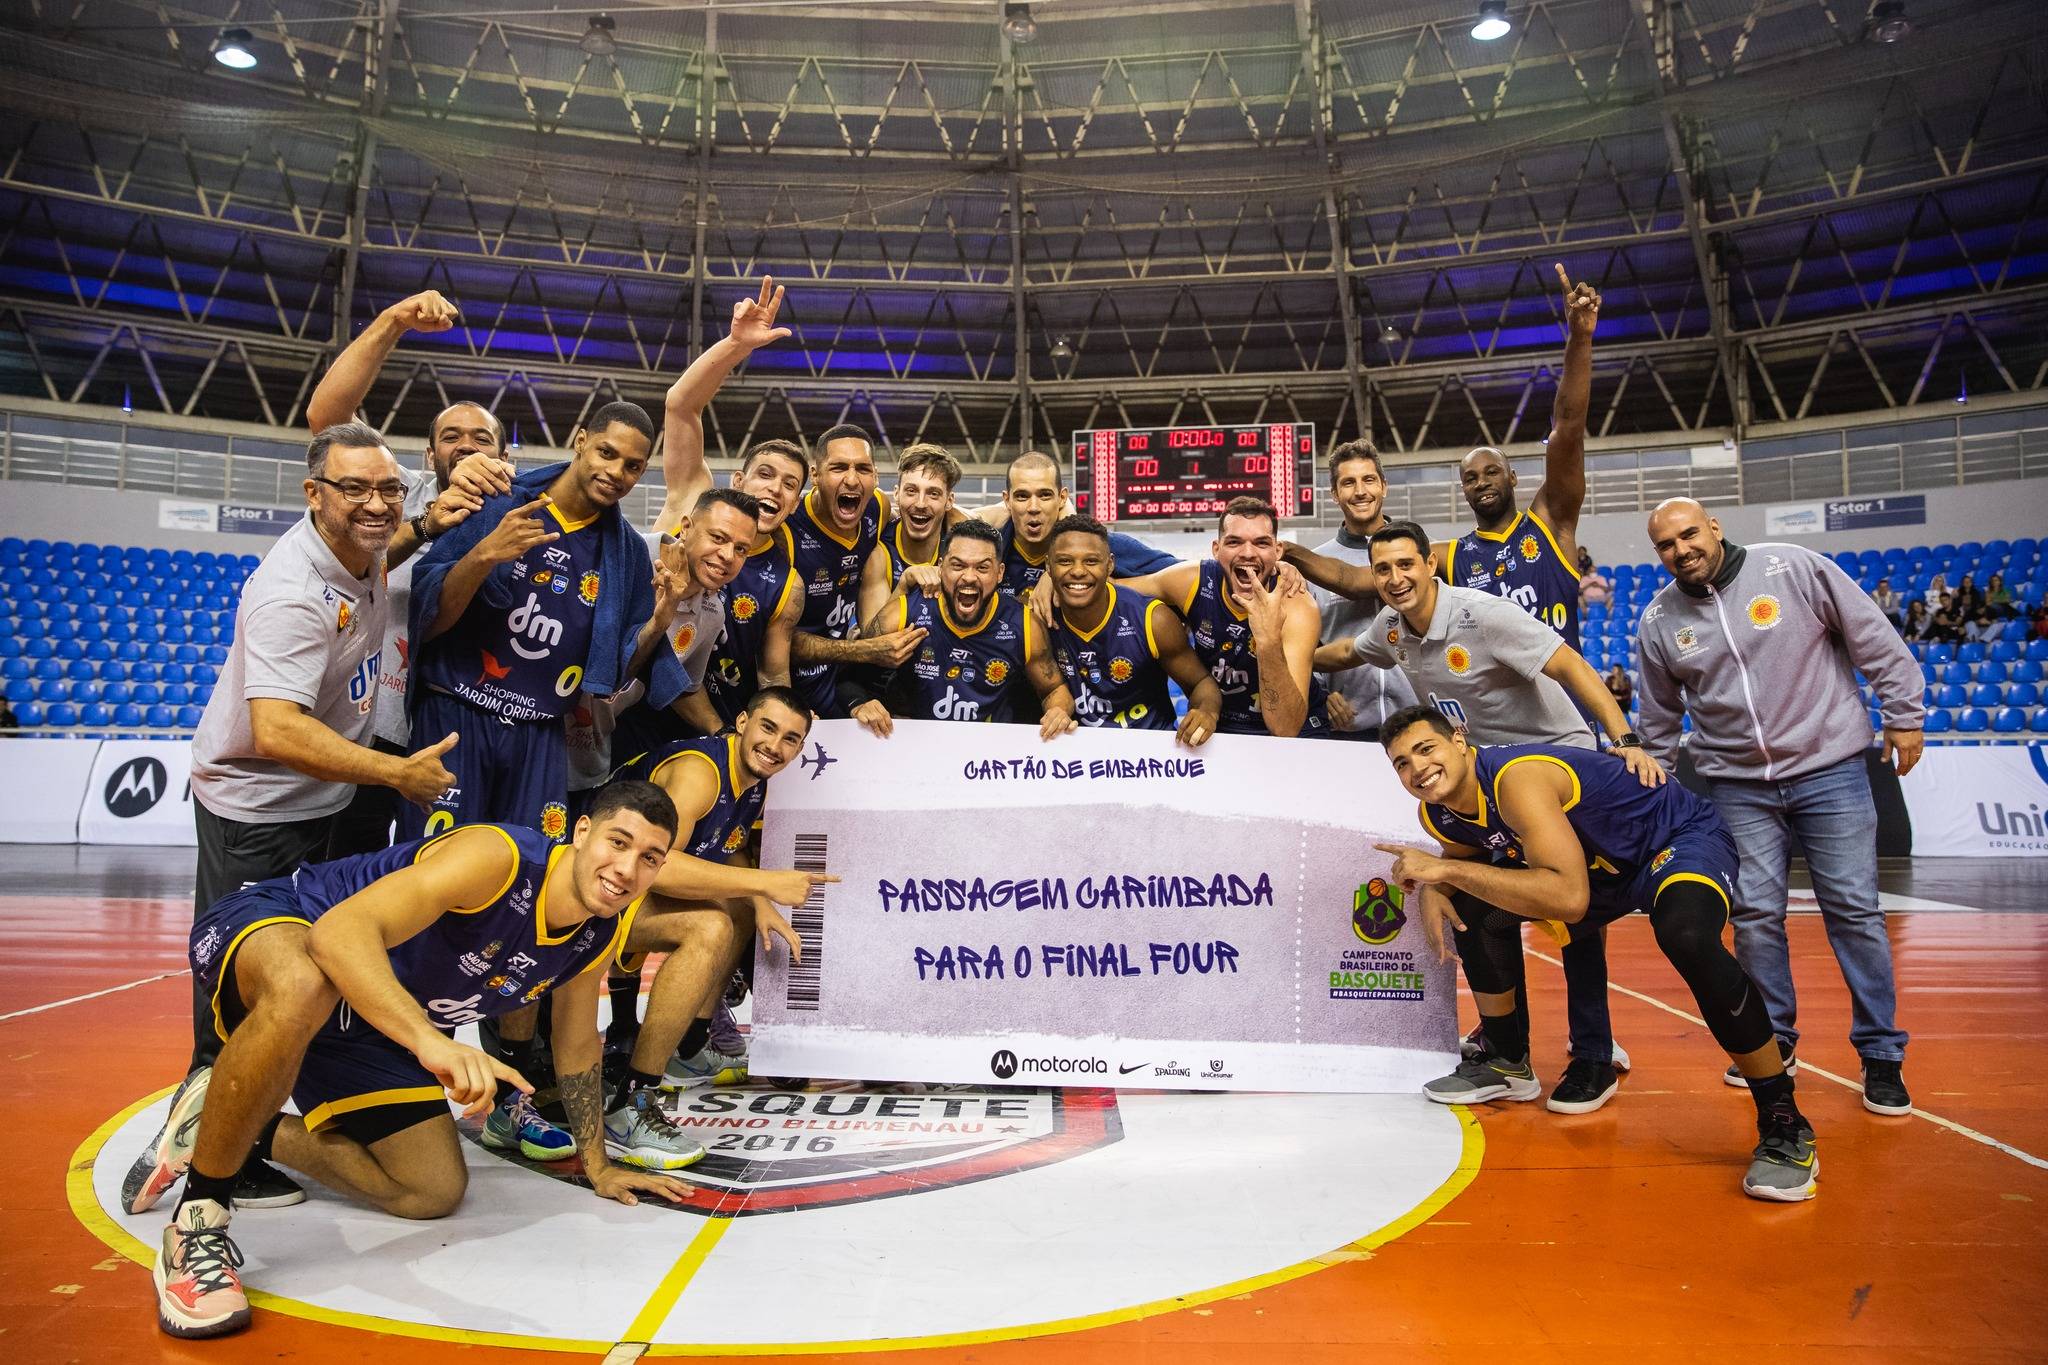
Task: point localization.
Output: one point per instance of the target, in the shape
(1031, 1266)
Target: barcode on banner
(808, 920)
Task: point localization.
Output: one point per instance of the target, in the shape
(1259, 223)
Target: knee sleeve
(1687, 919)
(1489, 946)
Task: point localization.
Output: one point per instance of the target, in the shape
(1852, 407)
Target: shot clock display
(1165, 473)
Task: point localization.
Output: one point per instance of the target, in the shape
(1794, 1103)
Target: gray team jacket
(1765, 659)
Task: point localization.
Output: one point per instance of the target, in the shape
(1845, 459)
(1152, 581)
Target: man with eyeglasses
(285, 739)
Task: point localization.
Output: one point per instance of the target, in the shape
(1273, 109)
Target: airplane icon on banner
(817, 764)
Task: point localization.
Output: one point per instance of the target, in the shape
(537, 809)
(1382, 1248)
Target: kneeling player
(981, 649)
(1578, 839)
(340, 987)
(708, 903)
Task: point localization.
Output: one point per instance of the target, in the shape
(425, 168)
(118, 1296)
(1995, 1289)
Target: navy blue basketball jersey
(1524, 565)
(723, 829)
(827, 570)
(969, 672)
(473, 964)
(1020, 572)
(1114, 670)
(1623, 825)
(752, 600)
(899, 558)
(1221, 636)
(520, 649)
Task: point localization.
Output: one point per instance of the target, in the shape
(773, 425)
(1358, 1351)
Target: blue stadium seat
(19, 691)
(68, 650)
(158, 653)
(1991, 672)
(2022, 694)
(2014, 633)
(163, 718)
(208, 674)
(128, 716)
(62, 713)
(2026, 671)
(2010, 720)
(1987, 694)
(1950, 694)
(186, 654)
(1970, 652)
(98, 713)
(2039, 725)
(189, 717)
(180, 694)
(143, 671)
(1956, 673)
(99, 651)
(146, 694)
(82, 670)
(46, 669)
(16, 668)
(1973, 720)
(1939, 722)
(2037, 650)
(29, 714)
(117, 692)
(202, 693)
(53, 689)
(129, 651)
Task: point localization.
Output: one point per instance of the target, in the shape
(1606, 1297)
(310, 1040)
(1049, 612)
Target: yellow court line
(86, 1207)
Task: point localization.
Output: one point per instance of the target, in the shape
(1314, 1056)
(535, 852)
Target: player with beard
(1035, 497)
(341, 987)
(1116, 648)
(982, 648)
(465, 463)
(1257, 641)
(1360, 698)
(926, 476)
(709, 902)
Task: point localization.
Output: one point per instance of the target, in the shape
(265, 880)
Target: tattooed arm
(579, 1056)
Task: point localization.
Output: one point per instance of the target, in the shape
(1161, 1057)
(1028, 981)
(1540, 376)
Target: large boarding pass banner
(1105, 909)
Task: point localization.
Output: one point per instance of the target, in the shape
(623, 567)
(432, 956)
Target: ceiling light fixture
(1390, 335)
(601, 38)
(233, 51)
(1061, 351)
(1888, 21)
(1493, 21)
(1018, 25)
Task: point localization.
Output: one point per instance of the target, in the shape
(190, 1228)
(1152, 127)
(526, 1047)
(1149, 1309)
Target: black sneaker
(1733, 1075)
(1584, 1087)
(263, 1186)
(1883, 1091)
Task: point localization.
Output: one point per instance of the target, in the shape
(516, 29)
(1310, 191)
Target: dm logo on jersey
(771, 1149)
(1529, 548)
(744, 606)
(1120, 669)
(1376, 913)
(586, 587)
(996, 671)
(1657, 863)
(554, 820)
(1764, 611)
(1458, 659)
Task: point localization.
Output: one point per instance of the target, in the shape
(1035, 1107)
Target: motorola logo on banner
(136, 787)
(1004, 1064)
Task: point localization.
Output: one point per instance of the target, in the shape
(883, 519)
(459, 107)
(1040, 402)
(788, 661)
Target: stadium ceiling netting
(1339, 211)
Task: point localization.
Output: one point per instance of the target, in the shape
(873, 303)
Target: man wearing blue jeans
(1761, 645)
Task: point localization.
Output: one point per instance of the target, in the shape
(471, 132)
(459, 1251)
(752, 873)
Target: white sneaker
(640, 1133)
(198, 1293)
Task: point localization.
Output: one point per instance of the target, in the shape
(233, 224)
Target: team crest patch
(1393, 635)
(554, 820)
(1657, 863)
(736, 840)
(586, 587)
(744, 606)
(684, 638)
(1376, 913)
(996, 671)
(1458, 659)
(342, 616)
(1764, 611)
(1120, 669)
(1686, 637)
(1529, 548)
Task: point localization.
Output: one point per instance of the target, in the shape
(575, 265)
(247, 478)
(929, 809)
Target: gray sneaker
(1786, 1165)
(163, 1162)
(640, 1133)
(708, 1067)
(725, 1034)
(1479, 1079)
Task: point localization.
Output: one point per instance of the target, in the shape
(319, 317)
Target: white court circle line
(93, 995)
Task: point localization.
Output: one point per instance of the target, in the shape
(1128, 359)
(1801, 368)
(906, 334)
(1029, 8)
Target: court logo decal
(770, 1149)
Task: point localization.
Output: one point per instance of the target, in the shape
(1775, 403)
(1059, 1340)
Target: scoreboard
(1159, 473)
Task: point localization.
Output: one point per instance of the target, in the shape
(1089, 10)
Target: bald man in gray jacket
(1761, 644)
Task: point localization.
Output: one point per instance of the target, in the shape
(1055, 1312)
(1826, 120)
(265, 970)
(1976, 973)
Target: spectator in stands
(1999, 598)
(1937, 587)
(1947, 626)
(1618, 684)
(1968, 598)
(1983, 627)
(7, 721)
(2041, 622)
(1918, 623)
(1593, 585)
(284, 741)
(1761, 646)
(1887, 600)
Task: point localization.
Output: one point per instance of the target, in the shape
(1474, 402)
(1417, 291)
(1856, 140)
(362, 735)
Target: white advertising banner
(50, 776)
(1105, 909)
(1979, 801)
(140, 792)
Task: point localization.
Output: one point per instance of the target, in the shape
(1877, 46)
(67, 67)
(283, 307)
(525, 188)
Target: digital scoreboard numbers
(1161, 473)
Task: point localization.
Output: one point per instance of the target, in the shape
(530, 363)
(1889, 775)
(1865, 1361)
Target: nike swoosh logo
(1127, 1070)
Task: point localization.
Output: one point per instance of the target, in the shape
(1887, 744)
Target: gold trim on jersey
(1570, 772)
(988, 616)
(654, 775)
(503, 886)
(570, 527)
(1498, 536)
(1151, 640)
(1107, 612)
(540, 905)
(327, 1113)
(617, 953)
(1551, 537)
(904, 555)
(824, 527)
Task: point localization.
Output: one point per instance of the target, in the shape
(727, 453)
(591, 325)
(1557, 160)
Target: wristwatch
(1629, 740)
(419, 528)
